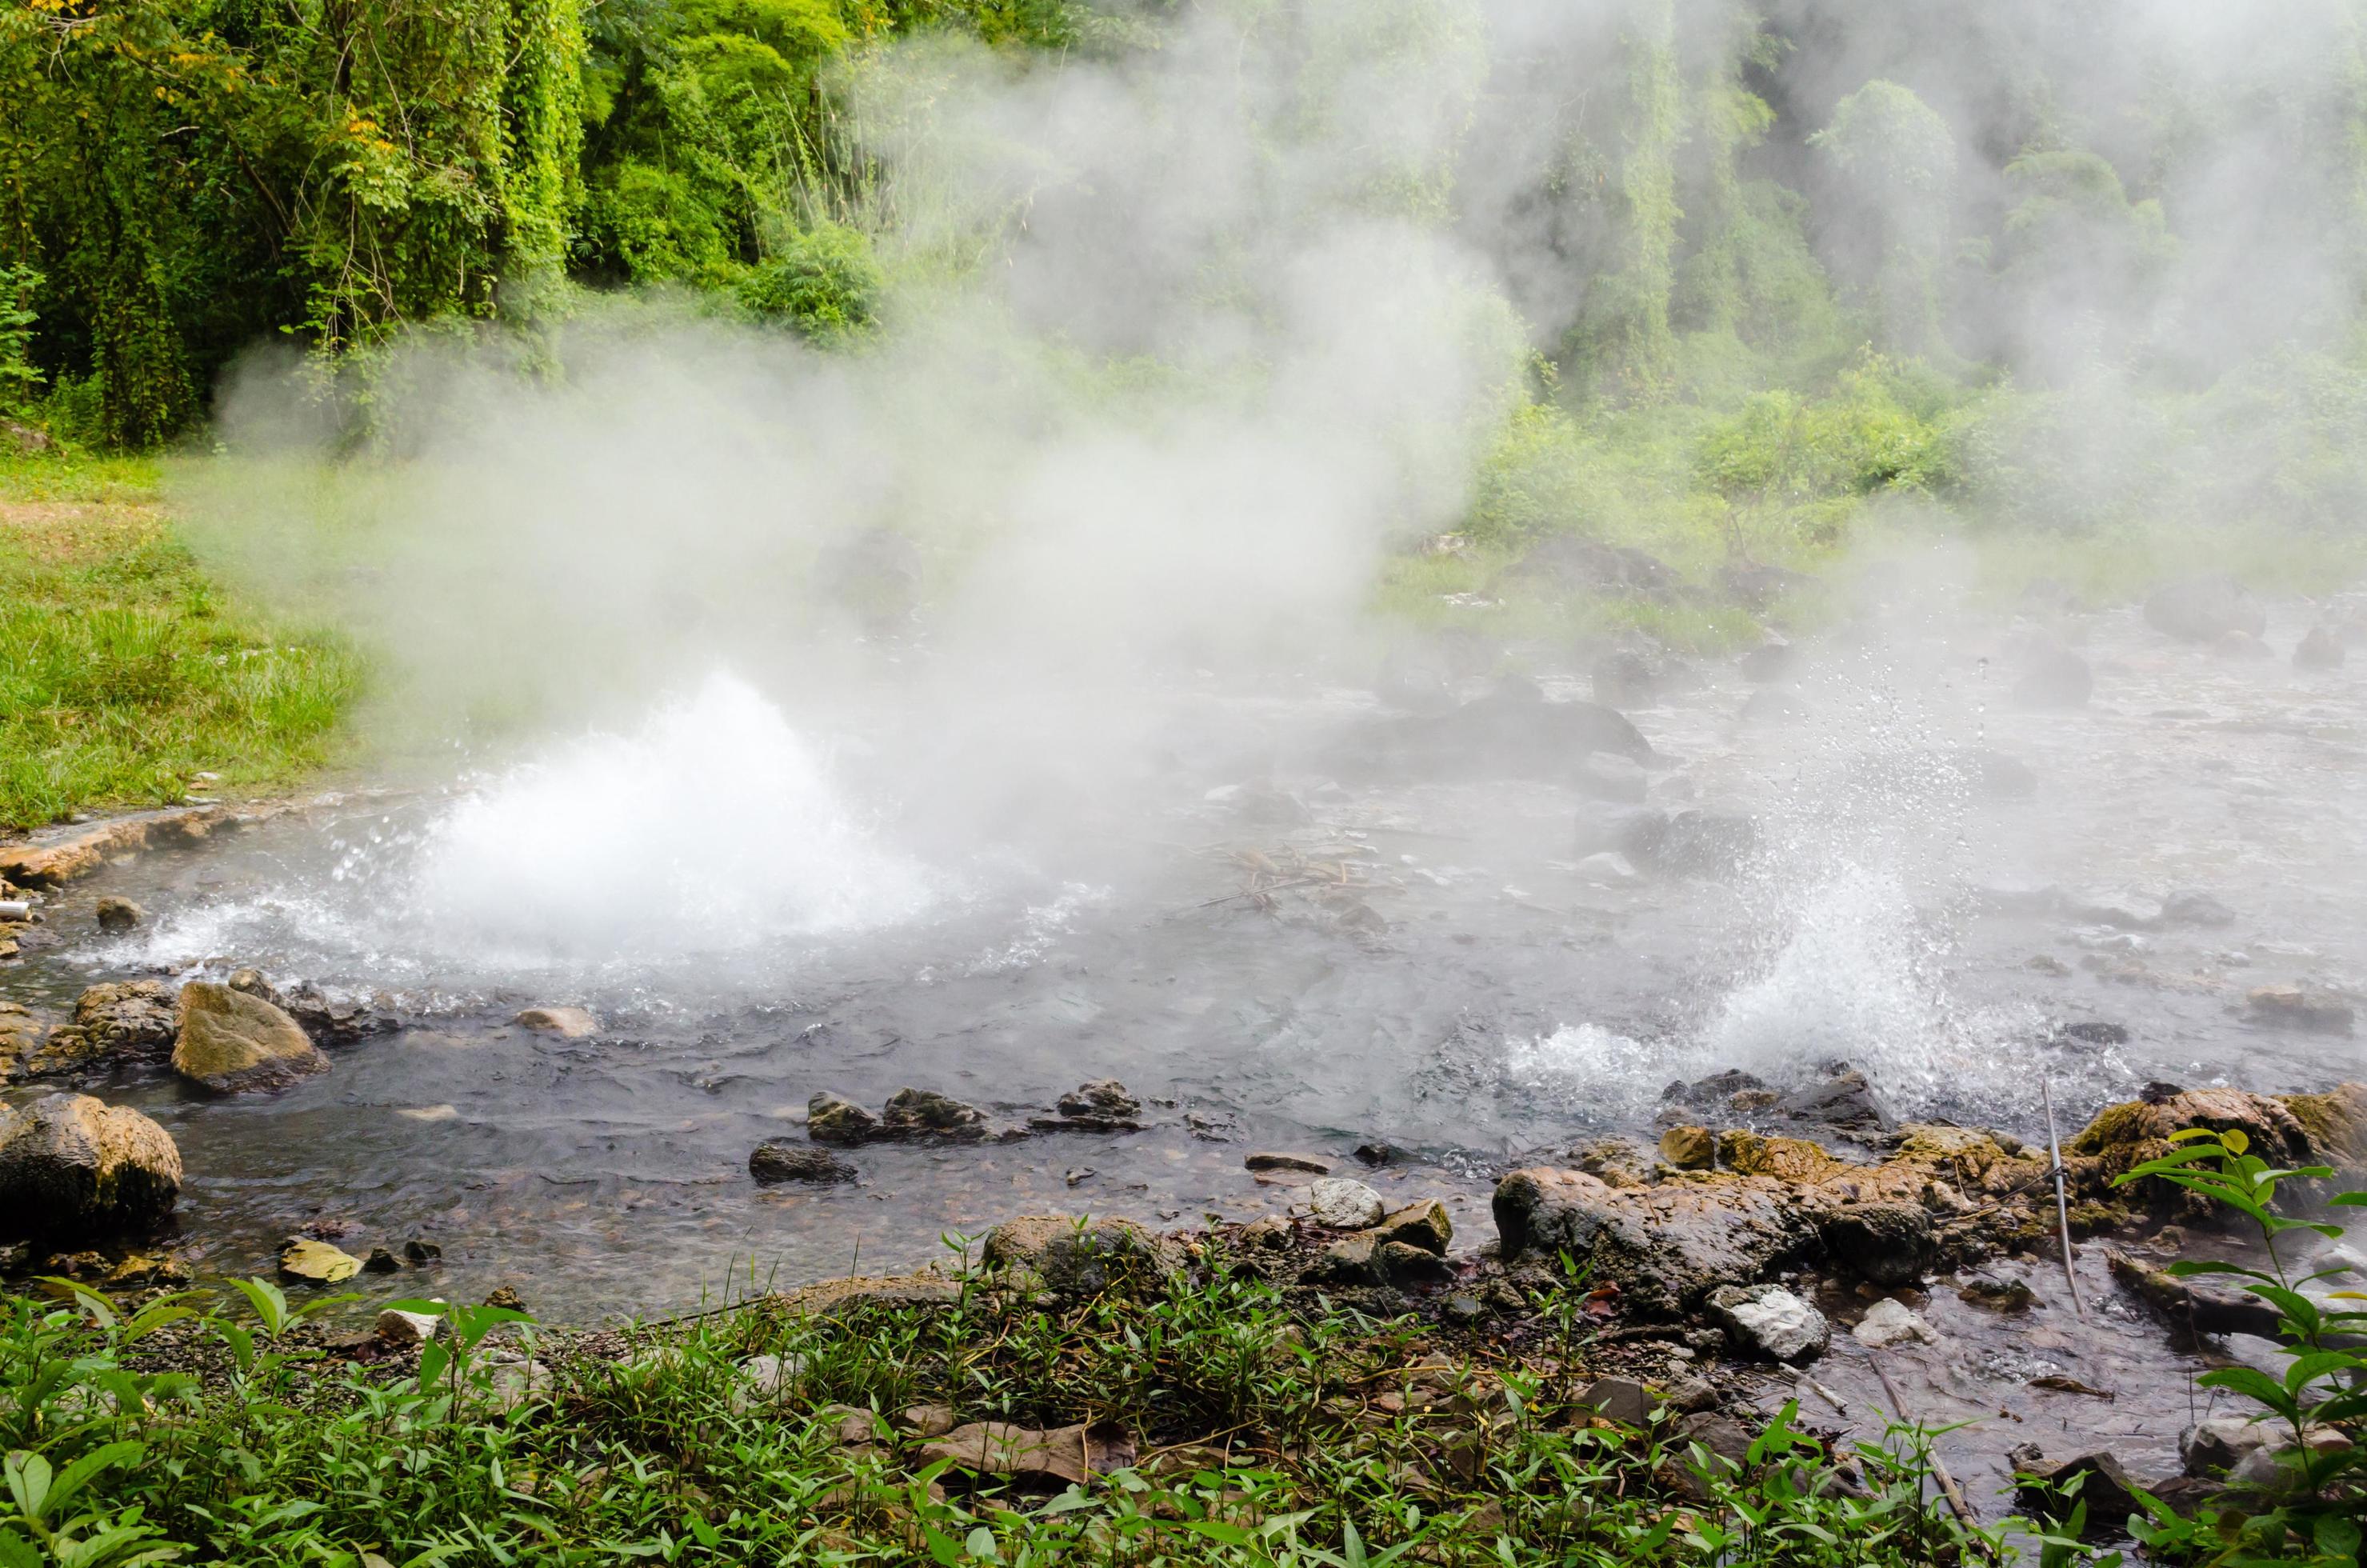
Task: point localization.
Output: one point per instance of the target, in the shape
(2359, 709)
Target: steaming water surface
(758, 906)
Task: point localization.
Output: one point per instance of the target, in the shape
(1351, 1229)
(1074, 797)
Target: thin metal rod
(2062, 1204)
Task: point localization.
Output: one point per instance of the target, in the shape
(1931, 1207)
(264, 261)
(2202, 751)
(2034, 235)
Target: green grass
(1261, 1436)
(124, 671)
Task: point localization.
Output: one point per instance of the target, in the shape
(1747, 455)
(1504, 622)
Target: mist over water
(1002, 702)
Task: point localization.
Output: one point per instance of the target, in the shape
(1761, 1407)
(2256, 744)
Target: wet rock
(1423, 1224)
(230, 1043)
(2055, 1488)
(1273, 1160)
(1689, 843)
(1102, 1106)
(2214, 1445)
(1377, 1153)
(505, 1297)
(2242, 645)
(118, 913)
(1625, 678)
(2124, 1136)
(72, 1167)
(567, 1023)
(1721, 1092)
(1768, 1321)
(127, 1018)
(1404, 1263)
(1351, 1260)
(1884, 1243)
(22, 1038)
(780, 1159)
(1666, 1246)
(1603, 777)
(924, 1114)
(2204, 609)
(1078, 1257)
(1616, 1161)
(1842, 1100)
(1621, 1399)
(834, 1118)
(2190, 906)
(334, 1021)
(316, 1262)
(2337, 1124)
(1793, 1160)
(1889, 1323)
(1689, 1148)
(1342, 1204)
(1996, 1292)
(2057, 677)
(2319, 649)
(419, 1250)
(2309, 1012)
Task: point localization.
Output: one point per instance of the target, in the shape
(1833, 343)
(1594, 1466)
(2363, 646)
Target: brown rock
(1271, 1160)
(127, 1017)
(1689, 1148)
(1666, 1246)
(567, 1023)
(2311, 1012)
(316, 1263)
(1424, 1224)
(1069, 1455)
(72, 1167)
(230, 1043)
(1786, 1159)
(118, 913)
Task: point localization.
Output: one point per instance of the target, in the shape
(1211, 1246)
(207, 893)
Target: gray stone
(924, 1114)
(1888, 1322)
(1771, 1322)
(2319, 649)
(2220, 1443)
(118, 913)
(1343, 1204)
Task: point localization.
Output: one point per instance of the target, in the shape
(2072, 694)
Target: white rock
(1890, 1323)
(2219, 1443)
(399, 1327)
(768, 1379)
(1343, 1204)
(1608, 869)
(1772, 1321)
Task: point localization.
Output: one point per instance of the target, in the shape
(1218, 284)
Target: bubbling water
(713, 828)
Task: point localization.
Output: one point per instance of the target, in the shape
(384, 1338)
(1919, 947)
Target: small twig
(1829, 1396)
(2062, 1204)
(1938, 1468)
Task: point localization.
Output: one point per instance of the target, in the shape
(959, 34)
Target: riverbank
(128, 677)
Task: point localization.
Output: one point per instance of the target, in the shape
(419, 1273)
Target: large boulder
(73, 1167)
(2204, 609)
(121, 1019)
(1073, 1257)
(1666, 1246)
(230, 1043)
(2124, 1136)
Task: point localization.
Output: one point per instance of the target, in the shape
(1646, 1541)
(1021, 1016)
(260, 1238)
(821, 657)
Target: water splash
(713, 828)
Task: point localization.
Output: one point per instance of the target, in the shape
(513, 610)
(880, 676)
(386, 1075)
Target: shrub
(824, 281)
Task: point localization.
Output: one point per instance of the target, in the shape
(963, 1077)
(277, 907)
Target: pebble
(1888, 1322)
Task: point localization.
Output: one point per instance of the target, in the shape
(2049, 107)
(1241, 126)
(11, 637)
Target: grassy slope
(123, 672)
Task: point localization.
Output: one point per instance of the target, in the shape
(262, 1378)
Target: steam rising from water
(712, 827)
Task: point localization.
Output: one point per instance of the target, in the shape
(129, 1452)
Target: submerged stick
(2062, 1204)
(1957, 1503)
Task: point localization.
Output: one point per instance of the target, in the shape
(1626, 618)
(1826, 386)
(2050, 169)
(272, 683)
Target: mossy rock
(230, 1043)
(1782, 1159)
(2337, 1124)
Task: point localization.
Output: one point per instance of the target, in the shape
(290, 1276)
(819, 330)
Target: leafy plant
(2314, 1513)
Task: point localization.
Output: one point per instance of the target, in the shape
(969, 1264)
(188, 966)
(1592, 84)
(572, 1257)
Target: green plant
(18, 374)
(2314, 1514)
